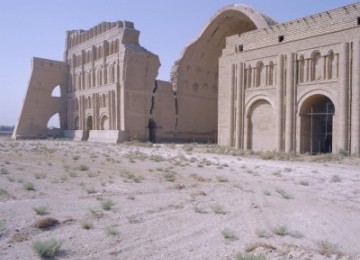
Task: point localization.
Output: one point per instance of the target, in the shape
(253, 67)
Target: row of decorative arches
(260, 75)
(317, 67)
(96, 53)
(95, 77)
(103, 102)
(103, 123)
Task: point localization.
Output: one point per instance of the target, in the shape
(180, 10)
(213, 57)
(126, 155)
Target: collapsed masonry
(245, 82)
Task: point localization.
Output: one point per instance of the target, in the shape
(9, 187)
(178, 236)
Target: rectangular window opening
(358, 20)
(241, 48)
(281, 38)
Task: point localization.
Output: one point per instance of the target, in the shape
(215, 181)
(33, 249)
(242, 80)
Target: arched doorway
(261, 125)
(316, 124)
(104, 123)
(89, 123)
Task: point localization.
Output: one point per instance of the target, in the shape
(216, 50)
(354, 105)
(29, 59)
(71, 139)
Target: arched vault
(195, 75)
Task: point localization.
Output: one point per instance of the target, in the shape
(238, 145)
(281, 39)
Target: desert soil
(175, 202)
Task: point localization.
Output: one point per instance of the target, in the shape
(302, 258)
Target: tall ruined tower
(106, 82)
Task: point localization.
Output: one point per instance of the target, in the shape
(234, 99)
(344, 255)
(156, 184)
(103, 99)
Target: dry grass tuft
(46, 223)
(253, 246)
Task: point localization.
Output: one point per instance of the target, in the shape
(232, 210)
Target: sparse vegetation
(335, 178)
(218, 209)
(2, 225)
(29, 186)
(327, 248)
(284, 194)
(107, 204)
(111, 231)
(3, 192)
(229, 234)
(86, 224)
(4, 171)
(83, 167)
(304, 183)
(42, 210)
(47, 248)
(262, 233)
(221, 179)
(200, 210)
(247, 256)
(130, 176)
(280, 230)
(169, 176)
(133, 219)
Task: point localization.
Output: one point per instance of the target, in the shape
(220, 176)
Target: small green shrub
(327, 248)
(4, 171)
(284, 194)
(29, 186)
(47, 248)
(169, 176)
(3, 192)
(86, 224)
(221, 179)
(229, 234)
(218, 209)
(304, 183)
(133, 219)
(83, 167)
(107, 204)
(40, 210)
(280, 230)
(199, 210)
(241, 256)
(111, 231)
(2, 225)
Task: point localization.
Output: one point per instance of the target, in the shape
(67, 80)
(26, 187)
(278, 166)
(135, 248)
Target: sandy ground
(175, 202)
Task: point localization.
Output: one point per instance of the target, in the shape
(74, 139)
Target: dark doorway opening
(152, 130)
(89, 123)
(317, 125)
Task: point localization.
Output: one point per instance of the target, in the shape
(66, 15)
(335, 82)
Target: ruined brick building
(246, 82)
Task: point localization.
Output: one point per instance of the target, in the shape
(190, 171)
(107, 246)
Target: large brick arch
(195, 75)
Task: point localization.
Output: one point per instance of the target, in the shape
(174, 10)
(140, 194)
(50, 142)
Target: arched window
(259, 71)
(89, 102)
(76, 105)
(316, 66)
(99, 77)
(301, 68)
(104, 71)
(271, 73)
(104, 100)
(249, 76)
(93, 78)
(330, 65)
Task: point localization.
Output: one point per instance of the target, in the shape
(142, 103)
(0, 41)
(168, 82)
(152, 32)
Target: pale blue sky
(37, 28)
